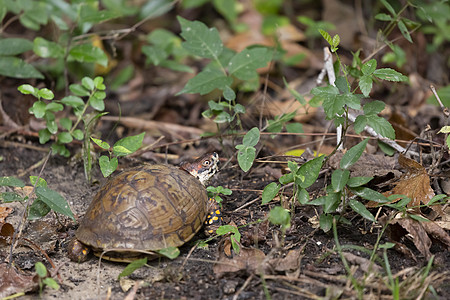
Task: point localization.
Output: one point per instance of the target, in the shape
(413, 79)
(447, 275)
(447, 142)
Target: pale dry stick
(22, 221)
(246, 283)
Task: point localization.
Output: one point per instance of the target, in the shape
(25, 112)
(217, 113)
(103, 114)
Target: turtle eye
(206, 163)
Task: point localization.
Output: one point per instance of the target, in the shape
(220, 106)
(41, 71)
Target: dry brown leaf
(362, 262)
(6, 233)
(12, 282)
(437, 232)
(248, 259)
(289, 263)
(419, 234)
(4, 213)
(415, 184)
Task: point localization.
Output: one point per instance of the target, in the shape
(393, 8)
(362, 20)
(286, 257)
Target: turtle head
(204, 167)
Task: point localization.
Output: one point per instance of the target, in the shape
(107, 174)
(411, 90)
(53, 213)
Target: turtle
(148, 208)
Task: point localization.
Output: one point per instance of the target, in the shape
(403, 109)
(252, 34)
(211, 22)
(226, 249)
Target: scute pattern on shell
(148, 208)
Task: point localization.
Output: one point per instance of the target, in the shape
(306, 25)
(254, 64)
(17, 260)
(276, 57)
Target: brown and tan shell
(149, 208)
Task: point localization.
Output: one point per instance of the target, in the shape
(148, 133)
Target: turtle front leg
(214, 217)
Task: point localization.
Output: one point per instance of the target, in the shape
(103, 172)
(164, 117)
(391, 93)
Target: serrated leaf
(352, 155)
(88, 53)
(133, 266)
(54, 200)
(369, 67)
(390, 75)
(17, 68)
(373, 107)
(326, 36)
(269, 192)
(244, 64)
(359, 208)
(351, 100)
(365, 84)
(381, 126)
(45, 49)
(206, 81)
(14, 46)
(333, 106)
(199, 39)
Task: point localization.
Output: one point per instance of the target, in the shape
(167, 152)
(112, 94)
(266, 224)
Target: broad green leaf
(339, 179)
(130, 143)
(280, 216)
(373, 107)
(88, 83)
(245, 157)
(170, 252)
(333, 106)
(11, 181)
(7, 197)
(310, 170)
(28, 89)
(51, 122)
(44, 135)
(90, 15)
(47, 95)
(381, 126)
(41, 271)
(358, 181)
(14, 46)
(78, 134)
(108, 166)
(244, 64)
(229, 94)
(444, 129)
(54, 200)
(294, 127)
(251, 138)
(353, 154)
(38, 109)
(38, 182)
(401, 25)
(332, 201)
(133, 266)
(88, 53)
(72, 101)
(326, 222)
(369, 194)
(98, 83)
(325, 91)
(97, 103)
(38, 209)
(205, 82)
(78, 90)
(361, 210)
(65, 137)
(50, 282)
(227, 8)
(66, 123)
(369, 67)
(365, 84)
(199, 39)
(269, 192)
(351, 100)
(44, 48)
(302, 196)
(17, 68)
(390, 75)
(54, 107)
(60, 149)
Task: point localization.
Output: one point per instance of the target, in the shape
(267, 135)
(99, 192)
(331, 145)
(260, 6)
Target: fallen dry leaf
(6, 233)
(419, 235)
(4, 213)
(12, 282)
(289, 263)
(249, 260)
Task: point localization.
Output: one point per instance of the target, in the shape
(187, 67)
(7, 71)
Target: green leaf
(381, 126)
(339, 179)
(302, 196)
(389, 7)
(359, 208)
(7, 197)
(280, 216)
(365, 84)
(50, 122)
(88, 53)
(310, 171)
(373, 107)
(17, 68)
(54, 200)
(129, 144)
(133, 266)
(78, 134)
(38, 109)
(44, 136)
(98, 83)
(65, 137)
(369, 194)
(436, 199)
(14, 46)
(351, 100)
(390, 75)
(170, 252)
(244, 64)
(200, 40)
(44, 48)
(352, 155)
(401, 25)
(383, 17)
(96, 102)
(326, 36)
(11, 181)
(294, 93)
(72, 101)
(90, 15)
(326, 222)
(269, 192)
(251, 138)
(46, 94)
(294, 127)
(333, 106)
(50, 282)
(332, 201)
(369, 67)
(88, 83)
(53, 107)
(38, 182)
(78, 90)
(41, 271)
(388, 150)
(28, 89)
(38, 209)
(206, 81)
(108, 166)
(245, 157)
(358, 181)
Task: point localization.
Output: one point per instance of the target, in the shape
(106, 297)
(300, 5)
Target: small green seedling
(43, 278)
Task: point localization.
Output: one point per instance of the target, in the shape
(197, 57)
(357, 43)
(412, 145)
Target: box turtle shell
(146, 208)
